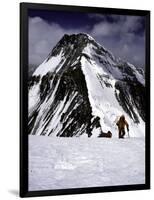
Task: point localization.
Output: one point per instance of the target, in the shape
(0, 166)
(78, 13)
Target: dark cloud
(123, 35)
(43, 36)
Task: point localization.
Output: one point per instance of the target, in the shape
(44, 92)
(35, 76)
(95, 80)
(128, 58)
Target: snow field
(59, 163)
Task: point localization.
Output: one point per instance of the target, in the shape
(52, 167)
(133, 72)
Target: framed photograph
(84, 99)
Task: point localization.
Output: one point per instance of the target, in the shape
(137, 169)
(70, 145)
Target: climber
(121, 126)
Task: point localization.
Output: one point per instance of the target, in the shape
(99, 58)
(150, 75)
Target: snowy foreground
(58, 163)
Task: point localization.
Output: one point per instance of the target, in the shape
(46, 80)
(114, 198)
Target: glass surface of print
(79, 91)
(88, 109)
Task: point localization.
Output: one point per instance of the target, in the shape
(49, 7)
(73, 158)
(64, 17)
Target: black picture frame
(24, 99)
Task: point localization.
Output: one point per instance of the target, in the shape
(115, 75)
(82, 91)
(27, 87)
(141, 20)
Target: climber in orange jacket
(121, 126)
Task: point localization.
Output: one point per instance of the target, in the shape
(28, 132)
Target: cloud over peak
(123, 35)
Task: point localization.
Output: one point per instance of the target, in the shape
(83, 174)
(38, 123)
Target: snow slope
(86, 163)
(48, 65)
(103, 100)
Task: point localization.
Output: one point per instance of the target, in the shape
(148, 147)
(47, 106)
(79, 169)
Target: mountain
(81, 89)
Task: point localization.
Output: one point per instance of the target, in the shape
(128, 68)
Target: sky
(123, 35)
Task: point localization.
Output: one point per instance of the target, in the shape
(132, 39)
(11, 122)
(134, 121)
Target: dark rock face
(132, 95)
(79, 113)
(70, 91)
(69, 85)
(44, 86)
(33, 80)
(125, 101)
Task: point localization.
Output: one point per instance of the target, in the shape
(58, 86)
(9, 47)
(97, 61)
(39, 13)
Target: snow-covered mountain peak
(80, 38)
(82, 88)
(73, 47)
(68, 46)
